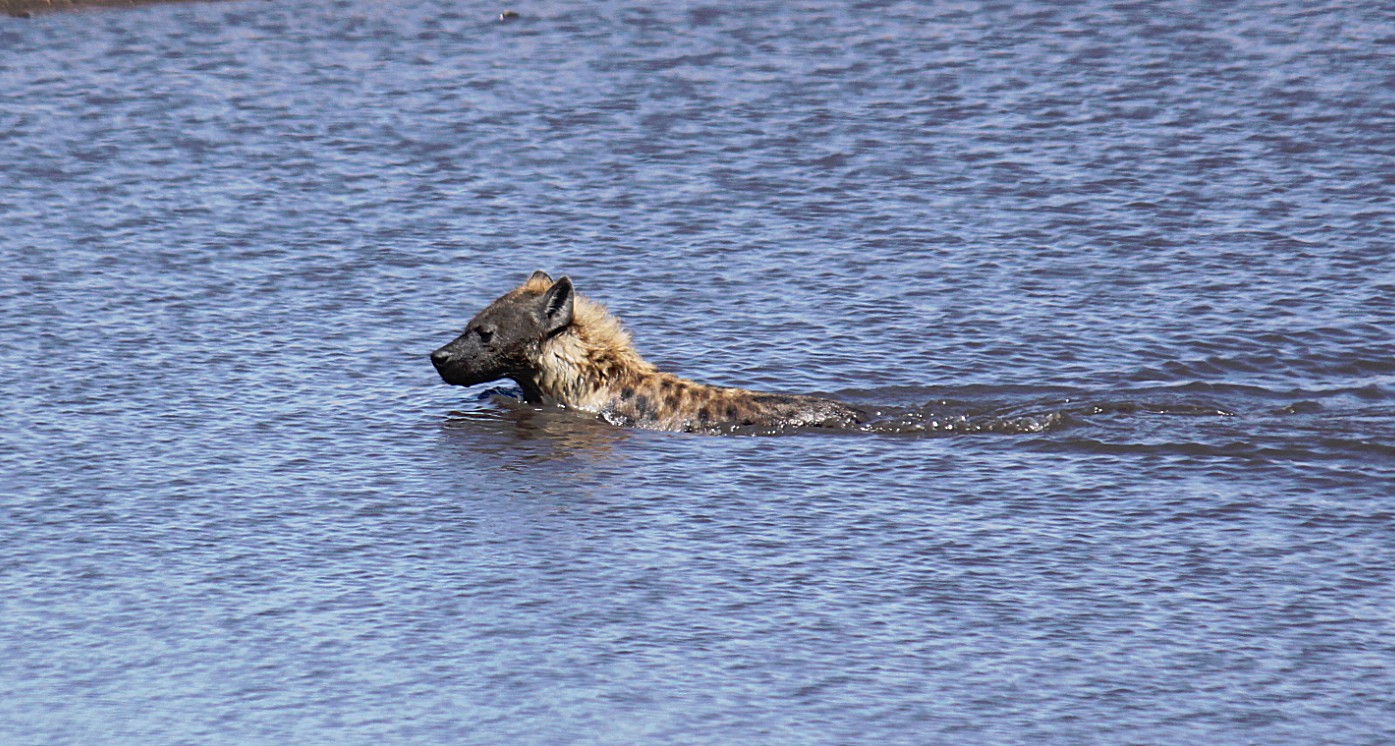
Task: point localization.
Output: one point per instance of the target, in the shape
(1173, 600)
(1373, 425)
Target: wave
(1320, 439)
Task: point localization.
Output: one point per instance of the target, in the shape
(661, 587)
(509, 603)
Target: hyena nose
(440, 357)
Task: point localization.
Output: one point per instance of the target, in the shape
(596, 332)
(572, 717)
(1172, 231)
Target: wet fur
(563, 348)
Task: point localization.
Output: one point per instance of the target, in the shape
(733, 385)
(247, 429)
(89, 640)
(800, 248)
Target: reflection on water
(516, 434)
(499, 416)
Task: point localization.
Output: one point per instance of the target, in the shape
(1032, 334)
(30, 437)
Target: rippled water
(1119, 277)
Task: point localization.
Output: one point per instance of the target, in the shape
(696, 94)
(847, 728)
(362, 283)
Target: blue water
(1120, 273)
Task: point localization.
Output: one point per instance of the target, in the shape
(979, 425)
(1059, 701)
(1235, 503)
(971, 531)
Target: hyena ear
(557, 305)
(539, 276)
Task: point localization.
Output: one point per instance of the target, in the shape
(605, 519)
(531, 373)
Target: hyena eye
(485, 335)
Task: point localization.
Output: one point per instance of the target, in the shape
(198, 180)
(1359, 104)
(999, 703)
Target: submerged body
(562, 348)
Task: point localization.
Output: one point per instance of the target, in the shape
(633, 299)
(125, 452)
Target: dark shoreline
(27, 8)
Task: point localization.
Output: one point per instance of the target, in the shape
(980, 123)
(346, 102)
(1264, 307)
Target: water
(1120, 275)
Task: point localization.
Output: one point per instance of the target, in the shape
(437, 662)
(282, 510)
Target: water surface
(1120, 274)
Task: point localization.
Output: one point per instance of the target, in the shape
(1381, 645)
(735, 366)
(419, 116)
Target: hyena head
(505, 340)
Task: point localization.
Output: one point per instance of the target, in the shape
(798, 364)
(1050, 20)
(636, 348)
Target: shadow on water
(501, 425)
(501, 417)
(1254, 426)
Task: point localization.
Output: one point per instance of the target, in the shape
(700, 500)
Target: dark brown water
(1118, 276)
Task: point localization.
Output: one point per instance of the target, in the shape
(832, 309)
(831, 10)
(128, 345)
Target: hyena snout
(464, 364)
(450, 366)
(440, 358)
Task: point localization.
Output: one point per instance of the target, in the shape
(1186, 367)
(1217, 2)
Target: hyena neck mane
(563, 348)
(588, 362)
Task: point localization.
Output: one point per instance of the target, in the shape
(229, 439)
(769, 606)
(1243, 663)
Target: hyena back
(562, 348)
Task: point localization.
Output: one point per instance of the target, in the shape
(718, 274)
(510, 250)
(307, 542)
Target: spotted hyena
(563, 348)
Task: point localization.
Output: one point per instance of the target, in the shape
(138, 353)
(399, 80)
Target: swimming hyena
(562, 348)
